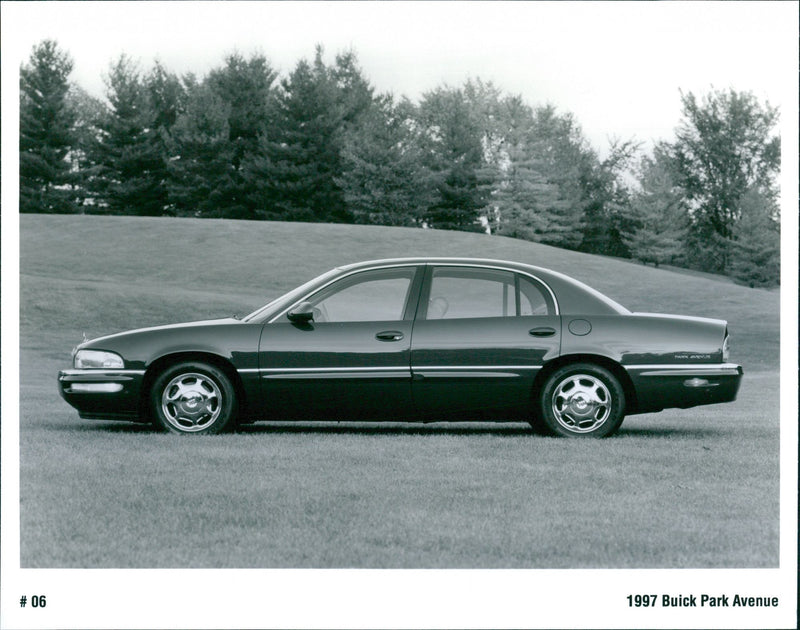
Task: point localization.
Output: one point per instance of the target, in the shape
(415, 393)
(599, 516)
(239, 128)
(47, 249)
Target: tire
(193, 398)
(582, 400)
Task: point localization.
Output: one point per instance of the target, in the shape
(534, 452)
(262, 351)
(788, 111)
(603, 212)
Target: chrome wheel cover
(191, 402)
(581, 403)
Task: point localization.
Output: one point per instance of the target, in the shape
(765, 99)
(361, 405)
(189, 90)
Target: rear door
(480, 336)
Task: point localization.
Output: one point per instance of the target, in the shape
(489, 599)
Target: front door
(352, 360)
(480, 337)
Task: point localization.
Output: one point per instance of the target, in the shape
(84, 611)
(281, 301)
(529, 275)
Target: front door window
(371, 296)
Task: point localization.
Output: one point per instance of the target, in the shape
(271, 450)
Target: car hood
(126, 333)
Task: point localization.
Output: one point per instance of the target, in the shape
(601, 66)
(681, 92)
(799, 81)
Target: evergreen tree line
(320, 144)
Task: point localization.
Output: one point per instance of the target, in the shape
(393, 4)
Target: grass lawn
(682, 488)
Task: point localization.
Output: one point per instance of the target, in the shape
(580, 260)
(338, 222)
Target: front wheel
(193, 398)
(582, 400)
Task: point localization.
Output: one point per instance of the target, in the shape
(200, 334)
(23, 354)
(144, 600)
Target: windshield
(288, 298)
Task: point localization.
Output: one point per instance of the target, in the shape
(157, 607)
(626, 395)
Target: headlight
(97, 359)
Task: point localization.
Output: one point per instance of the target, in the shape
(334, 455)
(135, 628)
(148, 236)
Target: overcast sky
(617, 66)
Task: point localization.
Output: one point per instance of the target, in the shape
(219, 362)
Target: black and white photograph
(403, 314)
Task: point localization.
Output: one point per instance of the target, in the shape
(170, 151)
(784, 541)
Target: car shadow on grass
(312, 428)
(499, 429)
(386, 428)
(99, 426)
(694, 432)
(506, 429)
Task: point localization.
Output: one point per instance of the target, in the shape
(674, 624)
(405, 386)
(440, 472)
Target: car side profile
(414, 339)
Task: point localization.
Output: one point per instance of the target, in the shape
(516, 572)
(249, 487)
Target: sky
(618, 67)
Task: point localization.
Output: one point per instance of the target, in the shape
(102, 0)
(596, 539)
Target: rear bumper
(102, 394)
(665, 386)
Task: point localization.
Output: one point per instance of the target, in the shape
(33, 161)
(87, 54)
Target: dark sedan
(412, 339)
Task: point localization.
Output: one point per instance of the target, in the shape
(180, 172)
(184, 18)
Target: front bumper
(103, 394)
(665, 386)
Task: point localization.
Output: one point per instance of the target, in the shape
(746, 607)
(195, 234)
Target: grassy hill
(96, 275)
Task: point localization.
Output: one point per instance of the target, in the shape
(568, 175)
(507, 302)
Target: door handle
(389, 335)
(542, 331)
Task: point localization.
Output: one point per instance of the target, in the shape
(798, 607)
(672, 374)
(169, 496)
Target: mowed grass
(683, 488)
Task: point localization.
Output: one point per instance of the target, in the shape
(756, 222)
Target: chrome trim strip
(99, 372)
(418, 264)
(336, 372)
(685, 373)
(404, 374)
(476, 367)
(682, 367)
(403, 368)
(432, 371)
(392, 369)
(463, 374)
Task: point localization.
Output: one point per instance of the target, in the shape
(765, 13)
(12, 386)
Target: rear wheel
(582, 400)
(193, 398)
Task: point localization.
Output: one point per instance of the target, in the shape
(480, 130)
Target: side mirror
(302, 313)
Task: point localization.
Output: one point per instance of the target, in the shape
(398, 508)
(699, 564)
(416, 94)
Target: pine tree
(201, 166)
(130, 164)
(87, 112)
(566, 161)
(165, 100)
(607, 216)
(46, 132)
(658, 218)
(383, 180)
(756, 250)
(295, 172)
(454, 154)
(246, 87)
(524, 198)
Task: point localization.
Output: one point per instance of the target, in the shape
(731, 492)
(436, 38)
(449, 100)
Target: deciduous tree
(725, 146)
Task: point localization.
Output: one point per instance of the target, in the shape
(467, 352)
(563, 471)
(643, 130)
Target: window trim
(412, 297)
(547, 293)
(414, 310)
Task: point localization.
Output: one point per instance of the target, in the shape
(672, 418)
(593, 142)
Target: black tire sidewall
(610, 426)
(226, 418)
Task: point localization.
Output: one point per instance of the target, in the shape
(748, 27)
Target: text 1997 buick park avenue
(417, 339)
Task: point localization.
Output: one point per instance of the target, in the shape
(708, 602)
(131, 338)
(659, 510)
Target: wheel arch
(168, 360)
(631, 401)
